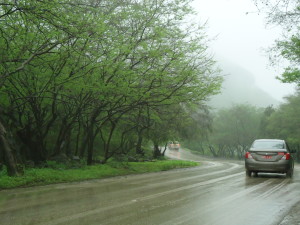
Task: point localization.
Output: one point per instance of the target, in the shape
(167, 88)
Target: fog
(239, 87)
(242, 38)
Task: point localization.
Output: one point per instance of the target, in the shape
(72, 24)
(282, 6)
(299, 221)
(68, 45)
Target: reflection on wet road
(217, 192)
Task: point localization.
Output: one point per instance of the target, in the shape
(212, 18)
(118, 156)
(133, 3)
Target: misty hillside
(239, 88)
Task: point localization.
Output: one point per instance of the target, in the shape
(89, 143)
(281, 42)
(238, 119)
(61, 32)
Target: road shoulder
(293, 217)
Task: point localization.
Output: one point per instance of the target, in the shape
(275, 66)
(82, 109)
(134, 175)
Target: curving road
(217, 192)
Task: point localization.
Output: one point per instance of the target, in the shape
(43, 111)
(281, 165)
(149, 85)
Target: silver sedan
(270, 156)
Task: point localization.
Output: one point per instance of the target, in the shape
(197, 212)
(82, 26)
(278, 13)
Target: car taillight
(248, 155)
(286, 156)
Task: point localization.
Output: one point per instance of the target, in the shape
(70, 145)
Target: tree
(45, 45)
(9, 156)
(287, 15)
(284, 122)
(150, 62)
(24, 37)
(264, 122)
(166, 124)
(65, 77)
(234, 129)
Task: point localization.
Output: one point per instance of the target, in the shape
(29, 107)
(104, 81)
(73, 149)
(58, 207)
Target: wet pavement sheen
(215, 193)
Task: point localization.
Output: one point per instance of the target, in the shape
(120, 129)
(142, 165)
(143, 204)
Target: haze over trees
(239, 87)
(96, 78)
(233, 129)
(284, 122)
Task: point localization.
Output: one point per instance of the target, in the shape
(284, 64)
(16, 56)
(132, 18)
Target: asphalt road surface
(215, 193)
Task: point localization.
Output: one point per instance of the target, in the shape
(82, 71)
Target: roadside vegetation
(233, 129)
(98, 86)
(126, 77)
(59, 173)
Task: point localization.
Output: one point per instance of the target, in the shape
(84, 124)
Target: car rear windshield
(268, 145)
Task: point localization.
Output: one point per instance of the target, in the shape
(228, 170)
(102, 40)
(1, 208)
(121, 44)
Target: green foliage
(3, 171)
(284, 122)
(33, 177)
(285, 14)
(290, 50)
(198, 124)
(263, 133)
(232, 132)
(291, 75)
(76, 85)
(71, 164)
(236, 126)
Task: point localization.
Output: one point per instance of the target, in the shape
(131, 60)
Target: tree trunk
(90, 145)
(10, 159)
(201, 148)
(156, 151)
(298, 153)
(90, 136)
(108, 154)
(165, 149)
(212, 150)
(60, 140)
(77, 140)
(138, 148)
(83, 146)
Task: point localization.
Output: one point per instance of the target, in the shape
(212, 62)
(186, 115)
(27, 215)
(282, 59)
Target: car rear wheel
(290, 173)
(248, 173)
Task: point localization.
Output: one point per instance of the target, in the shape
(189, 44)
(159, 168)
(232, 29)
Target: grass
(44, 176)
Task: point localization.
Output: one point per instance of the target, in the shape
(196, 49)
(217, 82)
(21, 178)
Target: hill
(239, 88)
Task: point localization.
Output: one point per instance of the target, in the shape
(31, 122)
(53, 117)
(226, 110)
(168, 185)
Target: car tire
(248, 173)
(290, 173)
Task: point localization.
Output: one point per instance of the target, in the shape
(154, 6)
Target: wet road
(217, 192)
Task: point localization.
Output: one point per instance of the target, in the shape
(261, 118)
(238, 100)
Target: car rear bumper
(281, 166)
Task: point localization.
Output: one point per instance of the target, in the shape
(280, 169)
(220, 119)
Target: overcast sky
(241, 38)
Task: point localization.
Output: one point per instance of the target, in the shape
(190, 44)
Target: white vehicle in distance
(174, 145)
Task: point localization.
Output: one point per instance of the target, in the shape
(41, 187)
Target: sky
(242, 38)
